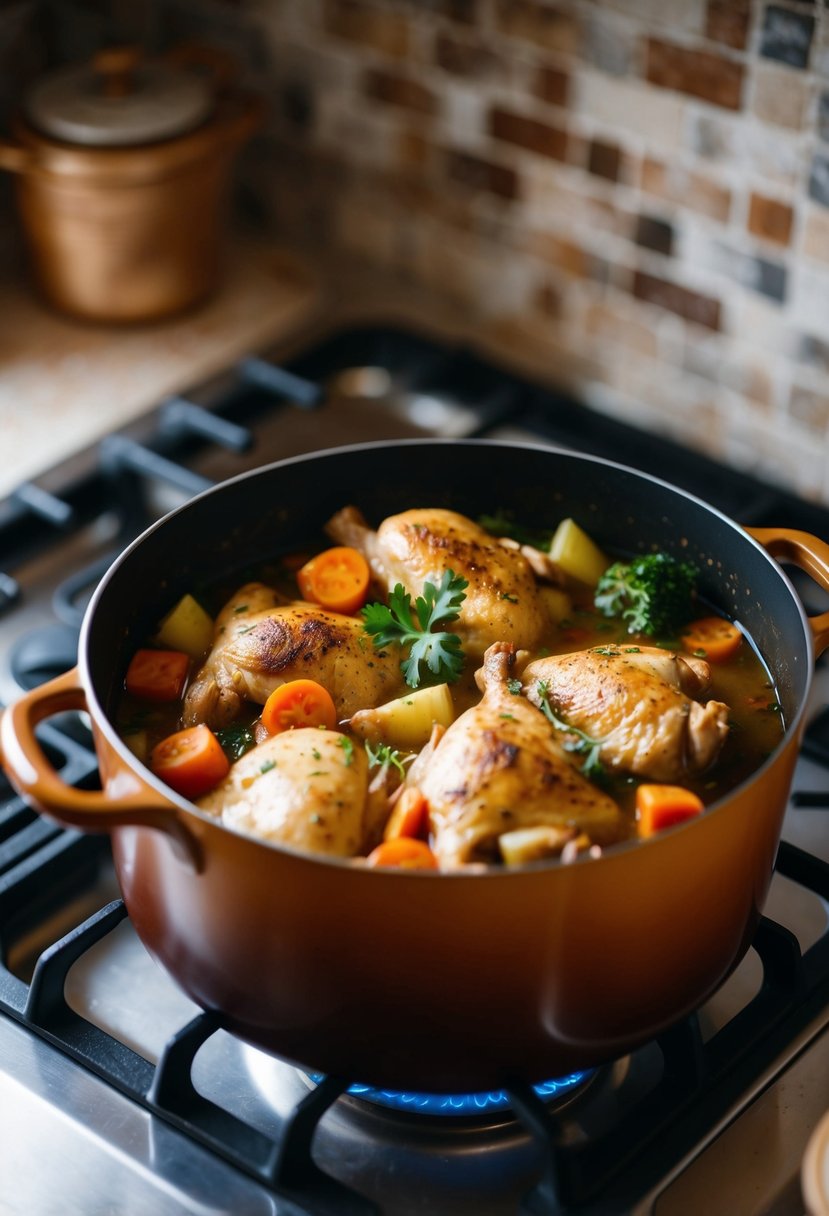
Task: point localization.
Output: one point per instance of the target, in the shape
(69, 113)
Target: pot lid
(118, 100)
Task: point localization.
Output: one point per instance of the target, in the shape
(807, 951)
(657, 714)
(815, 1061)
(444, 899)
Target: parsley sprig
(382, 755)
(579, 742)
(434, 656)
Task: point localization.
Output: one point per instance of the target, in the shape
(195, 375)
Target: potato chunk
(576, 554)
(406, 723)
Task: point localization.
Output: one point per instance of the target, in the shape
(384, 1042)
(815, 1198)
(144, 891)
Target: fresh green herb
(319, 772)
(241, 608)
(348, 749)
(381, 755)
(653, 594)
(581, 743)
(235, 740)
(267, 766)
(315, 818)
(439, 653)
(505, 595)
(510, 717)
(632, 650)
(244, 629)
(316, 753)
(608, 650)
(514, 686)
(699, 653)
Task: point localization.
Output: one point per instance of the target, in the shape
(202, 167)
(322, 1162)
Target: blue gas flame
(458, 1104)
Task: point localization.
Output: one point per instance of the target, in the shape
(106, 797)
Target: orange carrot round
(336, 579)
(409, 817)
(191, 761)
(403, 853)
(157, 675)
(715, 638)
(298, 703)
(662, 806)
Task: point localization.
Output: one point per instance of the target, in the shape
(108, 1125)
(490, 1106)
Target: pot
(123, 167)
(444, 982)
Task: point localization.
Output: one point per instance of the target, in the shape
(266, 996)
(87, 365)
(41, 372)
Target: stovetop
(143, 1103)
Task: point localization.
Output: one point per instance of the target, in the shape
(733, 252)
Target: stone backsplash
(638, 189)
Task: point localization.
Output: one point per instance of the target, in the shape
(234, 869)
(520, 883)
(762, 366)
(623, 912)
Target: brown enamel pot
(445, 982)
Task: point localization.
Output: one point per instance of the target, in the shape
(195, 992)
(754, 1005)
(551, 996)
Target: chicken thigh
(638, 701)
(306, 788)
(502, 600)
(500, 766)
(260, 644)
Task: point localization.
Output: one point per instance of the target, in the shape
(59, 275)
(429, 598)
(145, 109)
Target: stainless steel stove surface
(117, 1095)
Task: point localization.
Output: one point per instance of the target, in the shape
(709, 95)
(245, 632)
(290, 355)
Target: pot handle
(808, 554)
(127, 800)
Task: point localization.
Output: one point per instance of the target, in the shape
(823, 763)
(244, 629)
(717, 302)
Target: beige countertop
(64, 384)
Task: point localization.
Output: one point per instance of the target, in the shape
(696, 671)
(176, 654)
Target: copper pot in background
(123, 167)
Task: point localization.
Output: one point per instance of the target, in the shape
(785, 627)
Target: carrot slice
(298, 703)
(410, 815)
(713, 637)
(191, 761)
(662, 806)
(336, 579)
(157, 675)
(403, 853)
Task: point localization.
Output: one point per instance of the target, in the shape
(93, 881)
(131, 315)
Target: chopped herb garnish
(315, 818)
(319, 772)
(632, 650)
(267, 766)
(235, 740)
(381, 755)
(348, 749)
(241, 608)
(582, 743)
(699, 653)
(607, 650)
(316, 753)
(511, 717)
(439, 653)
(513, 599)
(514, 686)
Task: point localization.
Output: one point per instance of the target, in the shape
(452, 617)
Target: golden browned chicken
(306, 788)
(639, 701)
(502, 600)
(501, 766)
(260, 644)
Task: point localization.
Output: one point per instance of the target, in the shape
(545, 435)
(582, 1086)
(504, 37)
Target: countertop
(64, 384)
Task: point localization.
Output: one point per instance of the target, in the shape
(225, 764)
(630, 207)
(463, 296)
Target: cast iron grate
(164, 444)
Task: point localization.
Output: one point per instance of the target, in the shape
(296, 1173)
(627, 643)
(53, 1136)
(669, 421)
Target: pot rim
(107, 728)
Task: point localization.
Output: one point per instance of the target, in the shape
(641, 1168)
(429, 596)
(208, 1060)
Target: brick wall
(641, 186)
(639, 189)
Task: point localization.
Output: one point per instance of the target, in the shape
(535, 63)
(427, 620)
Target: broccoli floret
(652, 594)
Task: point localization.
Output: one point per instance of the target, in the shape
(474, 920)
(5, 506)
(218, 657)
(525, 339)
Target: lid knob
(116, 68)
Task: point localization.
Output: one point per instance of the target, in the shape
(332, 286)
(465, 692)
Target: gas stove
(119, 1095)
